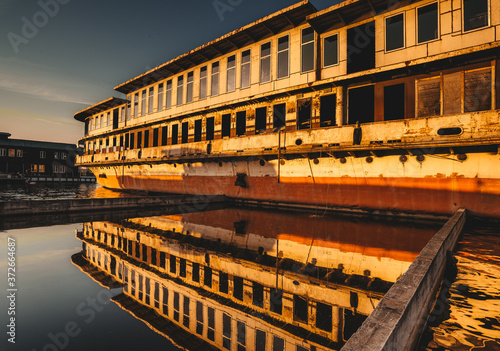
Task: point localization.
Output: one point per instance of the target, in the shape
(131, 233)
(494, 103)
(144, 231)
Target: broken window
(197, 130)
(238, 288)
(150, 100)
(245, 69)
(279, 115)
(283, 46)
(330, 50)
(324, 317)
(189, 87)
(429, 97)
(394, 102)
(300, 309)
(452, 93)
(223, 282)
(265, 62)
(231, 73)
(361, 104)
(209, 135)
(304, 113)
(203, 82)
(215, 79)
(258, 294)
(226, 125)
(143, 103)
(328, 110)
(475, 14)
(241, 123)
(175, 134)
(307, 52)
(394, 32)
(361, 47)
(427, 22)
(185, 132)
(260, 119)
(352, 322)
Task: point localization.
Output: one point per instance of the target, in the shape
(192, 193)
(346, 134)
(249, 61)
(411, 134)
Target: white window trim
(404, 32)
(277, 56)
(270, 62)
(323, 49)
(438, 21)
(315, 51)
(480, 28)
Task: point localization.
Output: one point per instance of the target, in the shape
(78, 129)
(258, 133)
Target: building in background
(39, 160)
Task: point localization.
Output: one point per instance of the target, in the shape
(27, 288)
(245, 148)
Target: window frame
(190, 87)
(417, 26)
(232, 71)
(479, 28)
(278, 52)
(261, 58)
(337, 34)
(249, 64)
(404, 31)
(215, 91)
(302, 44)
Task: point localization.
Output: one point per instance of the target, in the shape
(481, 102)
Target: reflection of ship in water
(215, 275)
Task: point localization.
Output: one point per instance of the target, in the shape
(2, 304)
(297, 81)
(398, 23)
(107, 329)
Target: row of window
(141, 287)
(475, 15)
(20, 153)
(41, 168)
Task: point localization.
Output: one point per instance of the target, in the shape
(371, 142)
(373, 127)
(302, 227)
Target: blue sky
(57, 57)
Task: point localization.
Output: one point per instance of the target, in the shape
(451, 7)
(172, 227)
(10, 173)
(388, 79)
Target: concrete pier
(398, 320)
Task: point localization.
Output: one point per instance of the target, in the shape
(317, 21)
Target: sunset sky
(57, 57)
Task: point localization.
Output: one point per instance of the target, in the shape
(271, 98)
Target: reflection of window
(265, 62)
(394, 32)
(330, 51)
(245, 69)
(475, 14)
(283, 46)
(427, 21)
(307, 49)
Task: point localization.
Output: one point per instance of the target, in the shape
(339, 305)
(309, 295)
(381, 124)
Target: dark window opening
(427, 18)
(144, 253)
(173, 264)
(146, 138)
(352, 322)
(127, 141)
(153, 256)
(278, 344)
(199, 318)
(185, 321)
(279, 115)
(276, 301)
(260, 340)
(361, 104)
(394, 32)
(132, 140)
(175, 134)
(241, 335)
(238, 288)
(258, 294)
(330, 51)
(328, 110)
(324, 317)
(260, 120)
(165, 301)
(211, 324)
(182, 267)
(241, 123)
(162, 259)
(185, 132)
(304, 113)
(475, 14)
(207, 279)
(197, 130)
(226, 125)
(226, 331)
(139, 140)
(223, 282)
(157, 295)
(300, 309)
(164, 135)
(210, 128)
(361, 48)
(394, 102)
(283, 56)
(115, 118)
(155, 137)
(196, 272)
(176, 306)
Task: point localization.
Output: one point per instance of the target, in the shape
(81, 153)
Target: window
(165, 301)
(34, 168)
(279, 115)
(283, 60)
(197, 130)
(182, 267)
(245, 69)
(327, 110)
(276, 301)
(226, 125)
(19, 153)
(330, 50)
(394, 32)
(155, 137)
(122, 114)
(215, 79)
(304, 113)
(132, 140)
(43, 154)
(162, 259)
(136, 105)
(175, 134)
(101, 121)
(180, 90)
(108, 119)
(139, 139)
(203, 82)
(150, 100)
(199, 318)
(146, 138)
(226, 331)
(278, 344)
(238, 288)
(475, 14)
(211, 324)
(258, 294)
(168, 102)
(429, 97)
(147, 290)
(173, 264)
(265, 62)
(241, 335)
(63, 156)
(176, 305)
(210, 128)
(3, 152)
(394, 102)
(160, 97)
(189, 87)
(324, 317)
(41, 168)
(362, 113)
(164, 135)
(185, 132)
(157, 295)
(427, 22)
(231, 73)
(361, 47)
(300, 309)
(260, 120)
(207, 280)
(260, 339)
(143, 102)
(185, 311)
(307, 57)
(223, 282)
(241, 123)
(195, 276)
